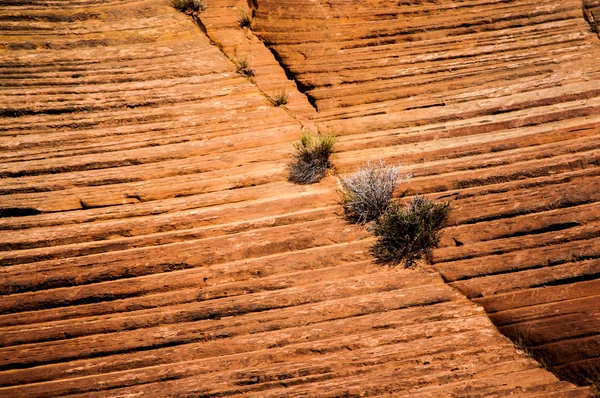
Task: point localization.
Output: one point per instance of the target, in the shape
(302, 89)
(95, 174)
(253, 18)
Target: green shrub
(244, 19)
(188, 5)
(243, 67)
(280, 98)
(312, 158)
(406, 234)
(368, 192)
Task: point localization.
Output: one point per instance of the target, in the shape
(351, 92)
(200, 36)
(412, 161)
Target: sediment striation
(493, 106)
(152, 246)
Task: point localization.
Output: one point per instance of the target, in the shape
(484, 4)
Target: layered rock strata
(493, 106)
(151, 245)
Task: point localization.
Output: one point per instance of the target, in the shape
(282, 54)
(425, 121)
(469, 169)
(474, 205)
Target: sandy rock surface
(152, 246)
(492, 106)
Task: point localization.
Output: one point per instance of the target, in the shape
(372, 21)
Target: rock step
(375, 306)
(100, 303)
(371, 345)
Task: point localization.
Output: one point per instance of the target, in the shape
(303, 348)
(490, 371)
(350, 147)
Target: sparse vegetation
(406, 234)
(188, 5)
(280, 98)
(243, 67)
(312, 158)
(368, 192)
(244, 19)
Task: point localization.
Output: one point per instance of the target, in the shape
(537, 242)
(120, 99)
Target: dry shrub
(312, 158)
(406, 234)
(188, 5)
(244, 19)
(368, 192)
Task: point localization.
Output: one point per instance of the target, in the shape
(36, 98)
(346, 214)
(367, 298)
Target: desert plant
(406, 234)
(243, 67)
(368, 192)
(188, 5)
(312, 158)
(244, 19)
(280, 98)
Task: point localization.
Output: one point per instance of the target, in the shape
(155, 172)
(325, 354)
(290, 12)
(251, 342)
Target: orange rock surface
(492, 106)
(151, 244)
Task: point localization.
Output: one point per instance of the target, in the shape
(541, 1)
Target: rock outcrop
(493, 106)
(152, 246)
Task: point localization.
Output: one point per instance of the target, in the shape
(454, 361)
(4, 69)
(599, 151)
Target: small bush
(188, 5)
(406, 234)
(312, 158)
(243, 67)
(368, 192)
(244, 19)
(280, 98)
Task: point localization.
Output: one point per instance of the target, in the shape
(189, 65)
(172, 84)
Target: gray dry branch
(368, 192)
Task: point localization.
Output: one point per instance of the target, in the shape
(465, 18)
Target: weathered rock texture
(151, 245)
(493, 106)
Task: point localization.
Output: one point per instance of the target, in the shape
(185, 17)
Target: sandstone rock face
(492, 106)
(151, 245)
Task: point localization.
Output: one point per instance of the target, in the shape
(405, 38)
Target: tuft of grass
(406, 234)
(243, 67)
(312, 158)
(244, 19)
(368, 192)
(280, 98)
(188, 5)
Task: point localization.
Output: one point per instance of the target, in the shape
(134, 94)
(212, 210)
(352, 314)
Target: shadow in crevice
(6, 212)
(591, 13)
